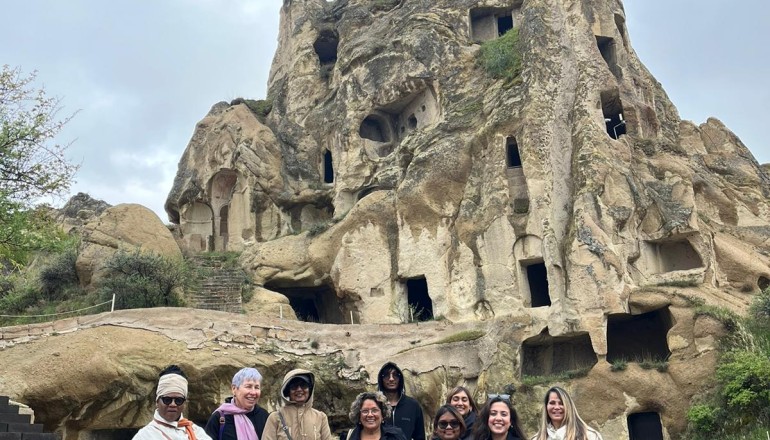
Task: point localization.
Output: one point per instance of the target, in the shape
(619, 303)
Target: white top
(558, 434)
(159, 429)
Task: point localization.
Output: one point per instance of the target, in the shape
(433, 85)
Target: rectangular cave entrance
(606, 47)
(418, 299)
(677, 255)
(490, 23)
(612, 109)
(313, 304)
(545, 355)
(537, 280)
(637, 338)
(513, 158)
(645, 426)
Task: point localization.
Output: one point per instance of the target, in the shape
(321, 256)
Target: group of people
(387, 414)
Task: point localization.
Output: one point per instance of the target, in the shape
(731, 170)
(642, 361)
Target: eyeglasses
(505, 397)
(366, 412)
(177, 400)
(443, 424)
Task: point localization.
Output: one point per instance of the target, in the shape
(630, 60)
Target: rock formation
(568, 213)
(127, 227)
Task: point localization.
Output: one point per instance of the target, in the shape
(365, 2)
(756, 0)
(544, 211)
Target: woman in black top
(240, 418)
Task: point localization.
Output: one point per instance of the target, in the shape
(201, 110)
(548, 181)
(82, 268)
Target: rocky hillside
(504, 167)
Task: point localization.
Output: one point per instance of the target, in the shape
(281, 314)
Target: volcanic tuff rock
(569, 211)
(126, 227)
(572, 198)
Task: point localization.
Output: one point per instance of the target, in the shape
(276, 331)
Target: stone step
(38, 436)
(9, 409)
(10, 435)
(15, 418)
(21, 427)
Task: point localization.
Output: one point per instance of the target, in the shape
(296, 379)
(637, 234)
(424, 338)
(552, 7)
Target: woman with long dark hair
(498, 420)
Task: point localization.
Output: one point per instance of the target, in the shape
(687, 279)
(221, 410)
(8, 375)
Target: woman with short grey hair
(367, 413)
(240, 417)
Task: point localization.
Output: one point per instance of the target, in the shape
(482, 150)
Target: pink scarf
(244, 429)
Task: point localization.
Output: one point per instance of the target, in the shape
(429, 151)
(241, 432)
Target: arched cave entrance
(325, 47)
(418, 299)
(328, 167)
(638, 338)
(312, 304)
(376, 128)
(645, 426)
(544, 355)
(223, 221)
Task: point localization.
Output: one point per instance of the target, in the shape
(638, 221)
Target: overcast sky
(143, 72)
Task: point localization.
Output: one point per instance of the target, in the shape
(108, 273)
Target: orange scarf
(185, 423)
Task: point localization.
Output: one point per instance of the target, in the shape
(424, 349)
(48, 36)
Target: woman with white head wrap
(168, 423)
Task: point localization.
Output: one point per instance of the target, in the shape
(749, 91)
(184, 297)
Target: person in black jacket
(406, 413)
(367, 413)
(240, 417)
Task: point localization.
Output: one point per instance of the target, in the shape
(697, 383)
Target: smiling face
(247, 395)
(299, 391)
(555, 409)
(499, 419)
(170, 412)
(461, 402)
(448, 427)
(370, 416)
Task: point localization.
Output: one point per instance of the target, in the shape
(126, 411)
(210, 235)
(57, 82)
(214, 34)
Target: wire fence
(6, 320)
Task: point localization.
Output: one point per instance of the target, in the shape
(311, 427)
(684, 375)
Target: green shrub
(745, 377)
(59, 274)
(501, 57)
(619, 365)
(140, 279)
(702, 418)
(760, 308)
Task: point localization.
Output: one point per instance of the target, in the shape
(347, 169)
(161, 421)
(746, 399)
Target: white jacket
(159, 429)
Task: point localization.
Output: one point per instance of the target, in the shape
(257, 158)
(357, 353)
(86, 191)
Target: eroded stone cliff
(569, 213)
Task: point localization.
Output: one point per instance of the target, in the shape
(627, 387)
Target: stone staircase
(220, 287)
(15, 426)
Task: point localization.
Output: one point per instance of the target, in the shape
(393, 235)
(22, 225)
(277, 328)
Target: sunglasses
(443, 424)
(177, 400)
(389, 374)
(505, 397)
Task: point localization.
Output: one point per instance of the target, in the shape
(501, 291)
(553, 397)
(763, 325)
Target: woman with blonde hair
(560, 420)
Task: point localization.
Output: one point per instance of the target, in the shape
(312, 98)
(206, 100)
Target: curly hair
(377, 397)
